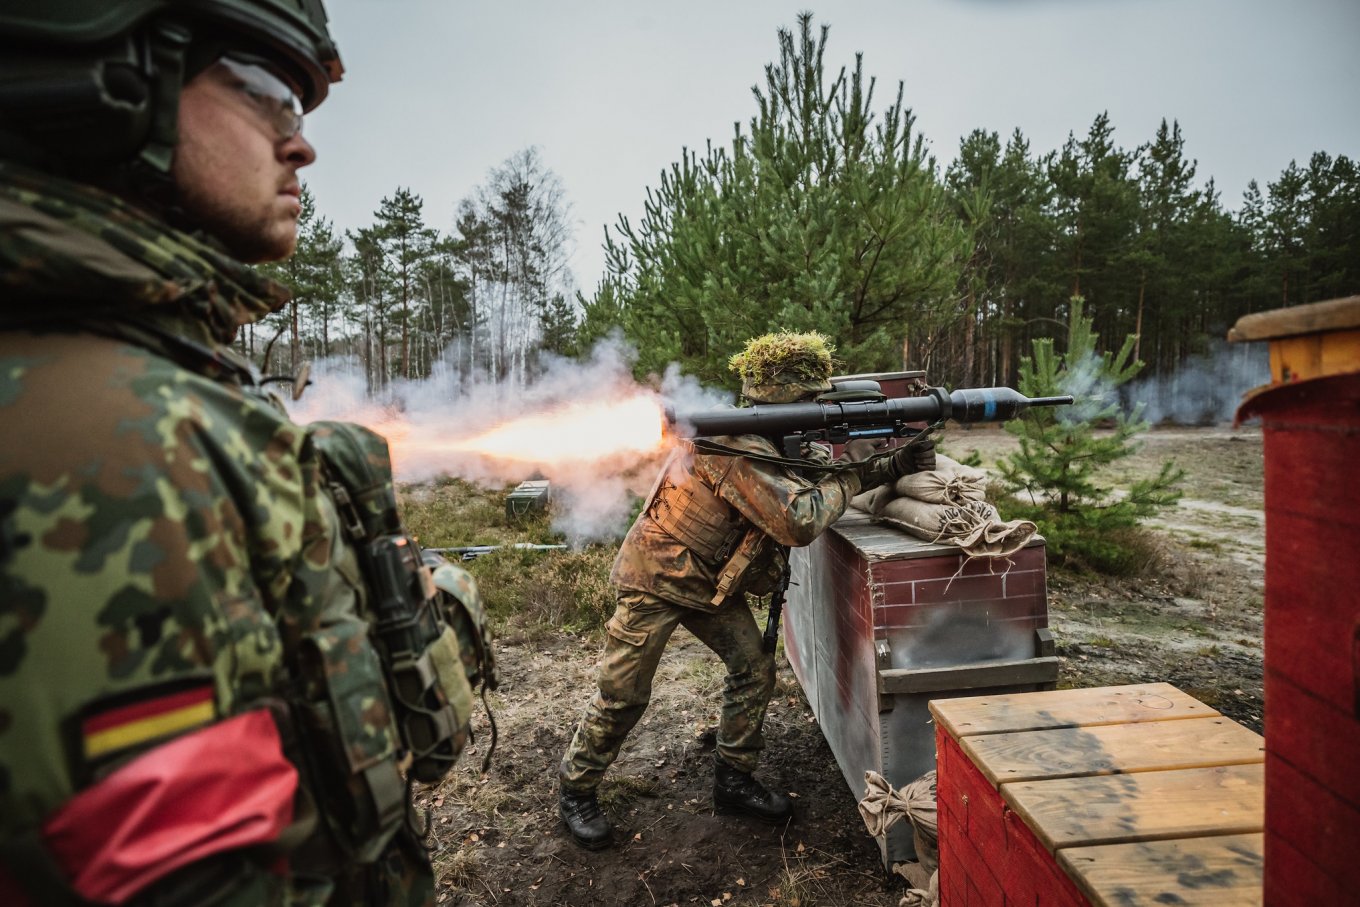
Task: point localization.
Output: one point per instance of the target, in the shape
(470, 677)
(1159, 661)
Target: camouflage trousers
(636, 636)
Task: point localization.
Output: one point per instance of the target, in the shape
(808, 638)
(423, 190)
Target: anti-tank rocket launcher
(858, 409)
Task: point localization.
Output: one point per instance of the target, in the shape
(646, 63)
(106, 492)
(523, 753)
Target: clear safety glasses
(268, 93)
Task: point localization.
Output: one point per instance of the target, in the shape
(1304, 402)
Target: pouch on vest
(420, 646)
(346, 716)
(695, 516)
(755, 567)
(464, 612)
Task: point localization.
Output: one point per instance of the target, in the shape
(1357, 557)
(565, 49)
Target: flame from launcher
(576, 433)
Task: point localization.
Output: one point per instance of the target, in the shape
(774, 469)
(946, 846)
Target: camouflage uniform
(164, 533)
(756, 509)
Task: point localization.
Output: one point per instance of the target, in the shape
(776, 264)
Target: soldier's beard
(265, 236)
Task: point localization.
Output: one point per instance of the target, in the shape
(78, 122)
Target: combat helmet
(91, 86)
(784, 367)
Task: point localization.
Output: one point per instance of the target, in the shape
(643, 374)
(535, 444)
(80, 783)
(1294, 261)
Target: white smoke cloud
(684, 393)
(591, 499)
(1092, 392)
(1204, 390)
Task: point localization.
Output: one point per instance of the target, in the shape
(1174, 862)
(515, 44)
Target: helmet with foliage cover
(784, 367)
(90, 88)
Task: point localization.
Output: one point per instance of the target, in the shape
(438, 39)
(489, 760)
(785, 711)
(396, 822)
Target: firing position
(716, 528)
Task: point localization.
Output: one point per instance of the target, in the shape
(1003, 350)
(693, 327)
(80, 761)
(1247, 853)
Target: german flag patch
(139, 717)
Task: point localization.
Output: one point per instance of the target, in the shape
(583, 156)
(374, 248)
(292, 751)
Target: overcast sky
(439, 92)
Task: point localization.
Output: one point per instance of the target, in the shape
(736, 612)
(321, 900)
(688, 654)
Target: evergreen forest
(824, 211)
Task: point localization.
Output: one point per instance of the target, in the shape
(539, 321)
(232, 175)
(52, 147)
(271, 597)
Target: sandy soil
(1194, 621)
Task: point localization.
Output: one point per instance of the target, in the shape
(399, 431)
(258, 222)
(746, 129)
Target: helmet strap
(167, 47)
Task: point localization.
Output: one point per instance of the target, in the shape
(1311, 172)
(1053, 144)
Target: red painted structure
(992, 856)
(879, 623)
(1310, 418)
(1112, 796)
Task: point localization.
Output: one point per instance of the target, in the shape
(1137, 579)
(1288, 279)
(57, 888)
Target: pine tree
(1062, 452)
(448, 317)
(407, 246)
(822, 215)
(558, 321)
(1286, 225)
(1166, 200)
(1096, 208)
(373, 304)
(1332, 236)
(1002, 196)
(313, 275)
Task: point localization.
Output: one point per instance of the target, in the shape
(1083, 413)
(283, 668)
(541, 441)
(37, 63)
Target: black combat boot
(585, 821)
(736, 791)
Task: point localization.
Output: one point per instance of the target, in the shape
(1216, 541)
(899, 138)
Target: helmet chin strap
(164, 52)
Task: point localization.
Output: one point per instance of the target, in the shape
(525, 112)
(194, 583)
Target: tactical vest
(366, 695)
(426, 616)
(744, 559)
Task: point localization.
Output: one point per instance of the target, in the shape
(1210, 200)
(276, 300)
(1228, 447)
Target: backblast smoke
(587, 426)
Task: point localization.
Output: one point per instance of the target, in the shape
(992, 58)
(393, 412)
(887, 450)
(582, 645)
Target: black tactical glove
(858, 451)
(876, 471)
(922, 456)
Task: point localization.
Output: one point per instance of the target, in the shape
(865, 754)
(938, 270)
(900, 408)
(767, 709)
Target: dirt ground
(1195, 622)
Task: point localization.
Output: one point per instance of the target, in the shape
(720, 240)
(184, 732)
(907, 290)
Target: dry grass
(704, 674)
(537, 591)
(620, 791)
(459, 867)
(812, 877)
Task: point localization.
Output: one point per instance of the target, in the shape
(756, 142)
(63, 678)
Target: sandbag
(915, 897)
(950, 482)
(872, 501)
(937, 522)
(883, 806)
(976, 527)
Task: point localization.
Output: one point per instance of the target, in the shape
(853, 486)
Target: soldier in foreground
(714, 530)
(222, 661)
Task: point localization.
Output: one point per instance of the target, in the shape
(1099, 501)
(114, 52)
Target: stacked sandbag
(947, 505)
(883, 806)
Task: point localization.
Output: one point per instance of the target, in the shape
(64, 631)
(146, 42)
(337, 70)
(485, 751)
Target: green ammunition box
(527, 498)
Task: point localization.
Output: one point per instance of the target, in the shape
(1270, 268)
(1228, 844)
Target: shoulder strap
(704, 445)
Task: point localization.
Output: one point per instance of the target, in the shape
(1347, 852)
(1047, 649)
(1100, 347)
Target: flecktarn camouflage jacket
(172, 579)
(708, 509)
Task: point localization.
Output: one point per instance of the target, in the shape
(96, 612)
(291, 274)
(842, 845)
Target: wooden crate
(879, 623)
(1133, 795)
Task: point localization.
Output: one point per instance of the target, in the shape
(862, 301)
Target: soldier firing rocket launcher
(859, 409)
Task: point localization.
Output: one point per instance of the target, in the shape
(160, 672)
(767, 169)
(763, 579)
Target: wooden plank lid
(1219, 871)
(1143, 806)
(1112, 749)
(1065, 708)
